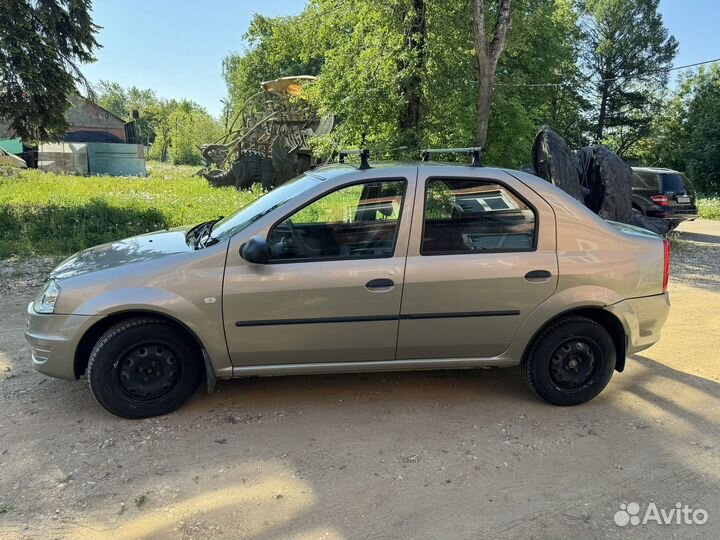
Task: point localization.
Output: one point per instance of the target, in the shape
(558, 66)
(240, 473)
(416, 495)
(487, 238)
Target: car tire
(144, 367)
(570, 362)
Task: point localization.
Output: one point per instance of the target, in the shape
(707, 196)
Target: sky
(176, 47)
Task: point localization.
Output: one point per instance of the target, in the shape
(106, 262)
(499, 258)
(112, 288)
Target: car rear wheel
(570, 362)
(144, 367)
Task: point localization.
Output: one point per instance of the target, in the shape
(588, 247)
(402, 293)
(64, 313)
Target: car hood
(132, 250)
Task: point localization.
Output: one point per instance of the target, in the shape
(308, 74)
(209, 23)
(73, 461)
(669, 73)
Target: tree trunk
(603, 113)
(488, 54)
(485, 94)
(410, 116)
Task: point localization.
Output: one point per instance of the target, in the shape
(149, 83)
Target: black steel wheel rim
(148, 371)
(574, 363)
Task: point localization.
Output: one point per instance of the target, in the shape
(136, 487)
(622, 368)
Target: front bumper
(53, 340)
(643, 319)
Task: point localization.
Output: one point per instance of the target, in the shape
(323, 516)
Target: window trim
(326, 193)
(501, 183)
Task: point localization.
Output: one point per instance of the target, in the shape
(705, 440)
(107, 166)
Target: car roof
(333, 170)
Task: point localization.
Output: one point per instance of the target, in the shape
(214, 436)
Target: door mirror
(256, 250)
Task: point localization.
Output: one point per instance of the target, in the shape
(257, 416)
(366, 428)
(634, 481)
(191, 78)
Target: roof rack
(364, 157)
(475, 152)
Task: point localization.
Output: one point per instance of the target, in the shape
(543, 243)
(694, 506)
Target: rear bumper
(674, 214)
(643, 319)
(53, 340)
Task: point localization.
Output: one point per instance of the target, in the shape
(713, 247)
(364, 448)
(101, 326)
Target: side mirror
(256, 250)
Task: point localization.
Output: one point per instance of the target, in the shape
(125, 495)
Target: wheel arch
(604, 318)
(93, 334)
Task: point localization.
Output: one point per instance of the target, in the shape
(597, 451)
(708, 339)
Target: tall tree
(373, 68)
(491, 23)
(123, 101)
(704, 131)
(275, 48)
(404, 72)
(628, 52)
(41, 44)
(686, 136)
(411, 69)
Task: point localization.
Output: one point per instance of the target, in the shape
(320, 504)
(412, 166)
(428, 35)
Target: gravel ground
(429, 455)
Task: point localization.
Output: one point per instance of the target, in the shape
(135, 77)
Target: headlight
(45, 301)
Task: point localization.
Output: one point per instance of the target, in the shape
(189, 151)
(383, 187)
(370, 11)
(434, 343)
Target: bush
(45, 213)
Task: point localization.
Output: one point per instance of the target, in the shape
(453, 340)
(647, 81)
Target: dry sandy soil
(432, 455)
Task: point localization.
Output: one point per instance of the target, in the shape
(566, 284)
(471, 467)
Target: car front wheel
(570, 362)
(144, 367)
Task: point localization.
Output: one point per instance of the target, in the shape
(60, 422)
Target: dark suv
(664, 193)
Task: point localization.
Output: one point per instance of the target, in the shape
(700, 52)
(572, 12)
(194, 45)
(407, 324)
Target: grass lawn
(50, 214)
(45, 213)
(709, 208)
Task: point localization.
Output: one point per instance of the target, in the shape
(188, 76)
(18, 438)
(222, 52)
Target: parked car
(664, 193)
(396, 267)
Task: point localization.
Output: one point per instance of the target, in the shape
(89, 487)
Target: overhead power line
(610, 79)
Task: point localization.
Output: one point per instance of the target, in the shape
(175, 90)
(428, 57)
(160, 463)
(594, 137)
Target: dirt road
(434, 455)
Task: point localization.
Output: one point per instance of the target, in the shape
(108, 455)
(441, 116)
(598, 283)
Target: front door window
(355, 222)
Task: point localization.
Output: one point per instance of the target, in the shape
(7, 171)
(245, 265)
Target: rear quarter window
(675, 183)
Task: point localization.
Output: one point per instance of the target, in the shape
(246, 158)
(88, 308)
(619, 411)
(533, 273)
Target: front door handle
(538, 275)
(379, 284)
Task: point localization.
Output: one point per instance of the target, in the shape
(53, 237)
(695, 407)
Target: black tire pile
(594, 175)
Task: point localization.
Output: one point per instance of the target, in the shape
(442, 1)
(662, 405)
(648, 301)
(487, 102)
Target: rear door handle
(379, 284)
(538, 275)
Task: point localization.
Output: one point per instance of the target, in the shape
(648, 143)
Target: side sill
(360, 367)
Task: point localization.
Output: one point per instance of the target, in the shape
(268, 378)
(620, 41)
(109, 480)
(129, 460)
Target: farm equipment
(268, 139)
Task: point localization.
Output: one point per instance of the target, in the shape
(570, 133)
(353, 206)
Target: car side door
(481, 258)
(331, 291)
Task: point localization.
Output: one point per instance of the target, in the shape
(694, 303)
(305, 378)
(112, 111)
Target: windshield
(227, 227)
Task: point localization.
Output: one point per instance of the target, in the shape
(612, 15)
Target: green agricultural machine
(268, 139)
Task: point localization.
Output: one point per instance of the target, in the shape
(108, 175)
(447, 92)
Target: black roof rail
(364, 157)
(475, 152)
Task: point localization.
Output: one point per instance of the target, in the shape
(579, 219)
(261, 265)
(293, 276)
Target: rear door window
(645, 180)
(467, 216)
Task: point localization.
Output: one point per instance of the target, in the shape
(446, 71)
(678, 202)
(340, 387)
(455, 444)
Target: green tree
(123, 101)
(175, 130)
(41, 44)
(190, 127)
(274, 49)
(686, 136)
(538, 81)
(405, 72)
(491, 23)
(628, 51)
(703, 156)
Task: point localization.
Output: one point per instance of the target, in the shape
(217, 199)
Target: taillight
(666, 264)
(660, 200)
